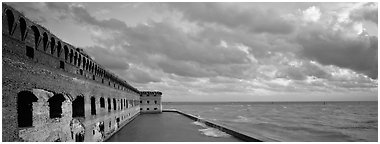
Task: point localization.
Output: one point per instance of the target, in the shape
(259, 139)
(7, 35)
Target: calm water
(293, 121)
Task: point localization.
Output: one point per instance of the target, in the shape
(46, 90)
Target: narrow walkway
(164, 127)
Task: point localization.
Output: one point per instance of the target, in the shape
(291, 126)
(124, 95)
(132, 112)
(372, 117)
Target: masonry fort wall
(69, 96)
(150, 102)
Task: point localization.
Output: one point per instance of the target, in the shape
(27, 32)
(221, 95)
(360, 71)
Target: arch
(109, 105)
(45, 39)
(102, 104)
(52, 45)
(114, 104)
(71, 55)
(25, 101)
(84, 63)
(66, 52)
(11, 20)
(22, 28)
(36, 35)
(75, 58)
(59, 49)
(87, 64)
(78, 107)
(93, 106)
(55, 105)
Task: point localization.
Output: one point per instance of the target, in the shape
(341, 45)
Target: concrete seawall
(241, 135)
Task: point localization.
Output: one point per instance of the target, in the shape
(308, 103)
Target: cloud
(312, 14)
(334, 48)
(232, 15)
(367, 12)
(141, 76)
(224, 49)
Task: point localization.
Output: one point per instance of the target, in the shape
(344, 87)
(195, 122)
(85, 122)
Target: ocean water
(291, 121)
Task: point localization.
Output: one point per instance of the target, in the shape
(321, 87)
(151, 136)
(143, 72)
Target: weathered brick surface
(42, 76)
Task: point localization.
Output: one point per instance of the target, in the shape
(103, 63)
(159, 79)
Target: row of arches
(55, 47)
(26, 100)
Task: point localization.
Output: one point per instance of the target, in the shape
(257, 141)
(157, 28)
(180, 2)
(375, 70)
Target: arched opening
(45, 39)
(71, 55)
(59, 49)
(36, 35)
(93, 106)
(84, 63)
(25, 101)
(114, 104)
(102, 104)
(78, 107)
(109, 105)
(66, 52)
(22, 28)
(75, 58)
(52, 45)
(87, 63)
(11, 20)
(55, 105)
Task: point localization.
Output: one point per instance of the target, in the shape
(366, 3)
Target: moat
(164, 127)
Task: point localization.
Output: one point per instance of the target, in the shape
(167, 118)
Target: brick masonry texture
(53, 91)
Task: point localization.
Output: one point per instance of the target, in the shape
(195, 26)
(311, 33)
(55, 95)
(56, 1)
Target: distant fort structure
(150, 102)
(53, 91)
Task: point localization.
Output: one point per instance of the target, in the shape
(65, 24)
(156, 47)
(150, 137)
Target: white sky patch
(312, 79)
(223, 44)
(268, 70)
(312, 14)
(281, 81)
(245, 49)
(295, 63)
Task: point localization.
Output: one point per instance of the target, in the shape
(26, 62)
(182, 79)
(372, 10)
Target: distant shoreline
(269, 102)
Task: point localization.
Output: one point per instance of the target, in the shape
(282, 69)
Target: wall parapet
(41, 46)
(53, 91)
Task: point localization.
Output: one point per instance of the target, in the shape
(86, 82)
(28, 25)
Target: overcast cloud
(227, 51)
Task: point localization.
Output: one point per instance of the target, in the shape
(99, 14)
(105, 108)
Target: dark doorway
(102, 104)
(29, 52)
(62, 65)
(109, 105)
(78, 107)
(25, 108)
(114, 104)
(93, 106)
(55, 104)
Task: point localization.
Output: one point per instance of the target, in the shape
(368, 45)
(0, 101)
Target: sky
(227, 51)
